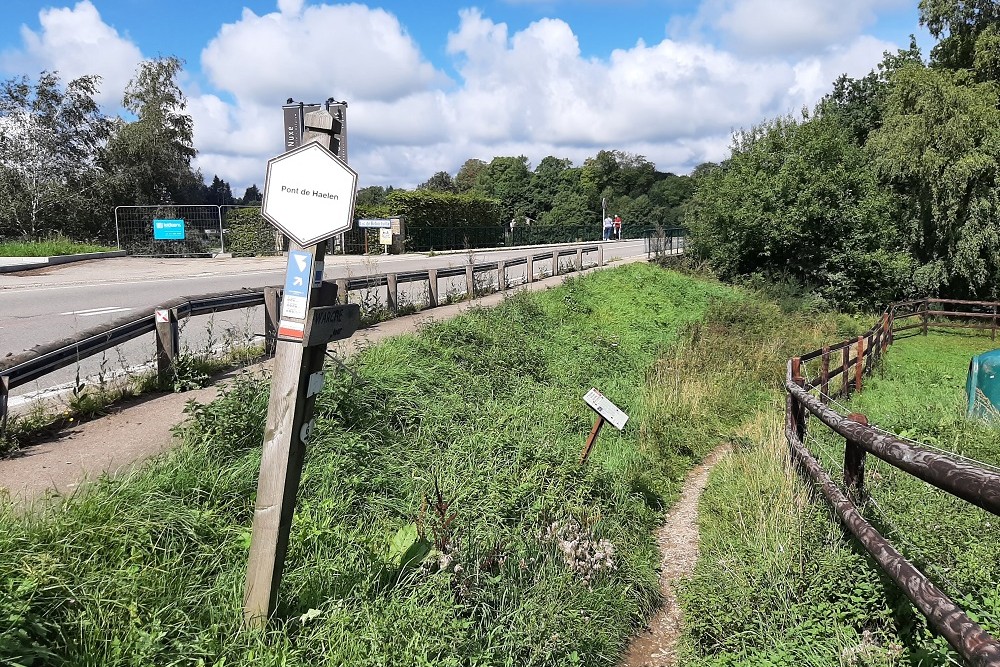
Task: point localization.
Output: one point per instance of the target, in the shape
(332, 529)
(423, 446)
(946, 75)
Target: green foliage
(148, 568)
(967, 34)
(427, 212)
(51, 247)
(939, 148)
(797, 200)
(248, 234)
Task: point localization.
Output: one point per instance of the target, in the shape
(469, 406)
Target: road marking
(96, 311)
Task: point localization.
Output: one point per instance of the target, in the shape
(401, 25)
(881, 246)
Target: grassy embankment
(148, 569)
(779, 584)
(57, 245)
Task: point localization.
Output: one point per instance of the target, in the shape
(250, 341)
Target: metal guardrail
(43, 359)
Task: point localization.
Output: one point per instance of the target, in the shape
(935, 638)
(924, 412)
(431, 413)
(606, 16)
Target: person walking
(618, 228)
(608, 227)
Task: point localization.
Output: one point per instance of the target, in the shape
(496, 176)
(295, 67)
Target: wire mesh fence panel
(661, 242)
(169, 230)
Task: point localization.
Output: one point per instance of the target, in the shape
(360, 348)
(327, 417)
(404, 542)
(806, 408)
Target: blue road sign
(298, 282)
(168, 230)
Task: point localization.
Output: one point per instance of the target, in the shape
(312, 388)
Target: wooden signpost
(606, 412)
(309, 195)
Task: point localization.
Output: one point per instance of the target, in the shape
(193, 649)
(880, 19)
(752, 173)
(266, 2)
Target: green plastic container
(984, 376)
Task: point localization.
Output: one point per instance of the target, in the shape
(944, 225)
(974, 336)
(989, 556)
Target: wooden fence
(853, 360)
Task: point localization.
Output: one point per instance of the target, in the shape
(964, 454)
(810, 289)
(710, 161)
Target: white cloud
(76, 42)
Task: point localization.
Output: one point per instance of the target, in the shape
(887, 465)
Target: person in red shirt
(618, 228)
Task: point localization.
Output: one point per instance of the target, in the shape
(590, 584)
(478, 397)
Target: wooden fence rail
(974, 484)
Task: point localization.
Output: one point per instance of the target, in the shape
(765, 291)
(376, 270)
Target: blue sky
(431, 84)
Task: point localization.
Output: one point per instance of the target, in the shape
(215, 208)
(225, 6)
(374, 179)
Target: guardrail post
(600, 255)
(270, 320)
(341, 290)
(927, 307)
(502, 275)
(470, 282)
(432, 288)
(859, 363)
(555, 262)
(845, 374)
(167, 342)
(579, 259)
(4, 394)
(825, 376)
(392, 292)
(854, 462)
(530, 269)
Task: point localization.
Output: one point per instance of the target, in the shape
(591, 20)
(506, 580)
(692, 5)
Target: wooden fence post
(502, 275)
(798, 411)
(432, 288)
(845, 373)
(4, 394)
(825, 376)
(927, 307)
(859, 364)
(854, 462)
(600, 255)
(886, 331)
(392, 292)
(555, 262)
(470, 282)
(993, 326)
(530, 268)
(579, 259)
(167, 343)
(270, 320)
(341, 290)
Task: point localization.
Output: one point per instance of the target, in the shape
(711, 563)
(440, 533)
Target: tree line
(888, 188)
(65, 164)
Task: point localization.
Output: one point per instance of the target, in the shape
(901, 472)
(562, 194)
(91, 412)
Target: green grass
(148, 568)
(780, 583)
(52, 247)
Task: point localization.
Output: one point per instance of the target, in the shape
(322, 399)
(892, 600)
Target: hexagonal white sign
(309, 194)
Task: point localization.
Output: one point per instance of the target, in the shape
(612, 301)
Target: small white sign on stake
(605, 408)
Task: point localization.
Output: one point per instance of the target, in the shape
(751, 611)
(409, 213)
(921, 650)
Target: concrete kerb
(144, 429)
(12, 264)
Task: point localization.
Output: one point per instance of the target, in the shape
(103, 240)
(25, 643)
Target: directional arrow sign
(309, 194)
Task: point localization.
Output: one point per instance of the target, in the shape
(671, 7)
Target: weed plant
(780, 582)
(56, 245)
(441, 467)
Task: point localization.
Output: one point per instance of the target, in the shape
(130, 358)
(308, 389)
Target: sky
(433, 83)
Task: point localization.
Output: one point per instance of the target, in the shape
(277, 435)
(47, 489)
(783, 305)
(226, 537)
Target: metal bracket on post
(167, 343)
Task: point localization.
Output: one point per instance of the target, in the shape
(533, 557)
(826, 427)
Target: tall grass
(780, 582)
(57, 245)
(148, 568)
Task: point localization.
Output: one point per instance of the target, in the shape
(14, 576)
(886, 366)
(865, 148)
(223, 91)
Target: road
(49, 304)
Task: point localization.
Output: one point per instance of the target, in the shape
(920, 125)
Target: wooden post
(798, 411)
(470, 282)
(167, 343)
(825, 376)
(392, 292)
(579, 259)
(270, 320)
(600, 255)
(886, 331)
(502, 275)
(4, 395)
(432, 288)
(854, 462)
(993, 326)
(592, 438)
(341, 290)
(530, 268)
(927, 307)
(859, 363)
(555, 262)
(845, 374)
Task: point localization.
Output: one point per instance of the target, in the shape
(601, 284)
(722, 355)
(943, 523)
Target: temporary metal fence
(37, 362)
(169, 230)
(977, 485)
(660, 241)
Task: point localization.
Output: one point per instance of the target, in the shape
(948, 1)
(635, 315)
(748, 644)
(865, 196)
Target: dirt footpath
(142, 428)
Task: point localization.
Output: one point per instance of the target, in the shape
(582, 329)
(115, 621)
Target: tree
(439, 182)
(252, 196)
(546, 183)
(468, 175)
(219, 192)
(373, 195)
(968, 34)
(939, 149)
(508, 180)
(50, 146)
(154, 152)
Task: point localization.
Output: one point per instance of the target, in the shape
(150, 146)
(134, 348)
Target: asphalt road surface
(50, 304)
